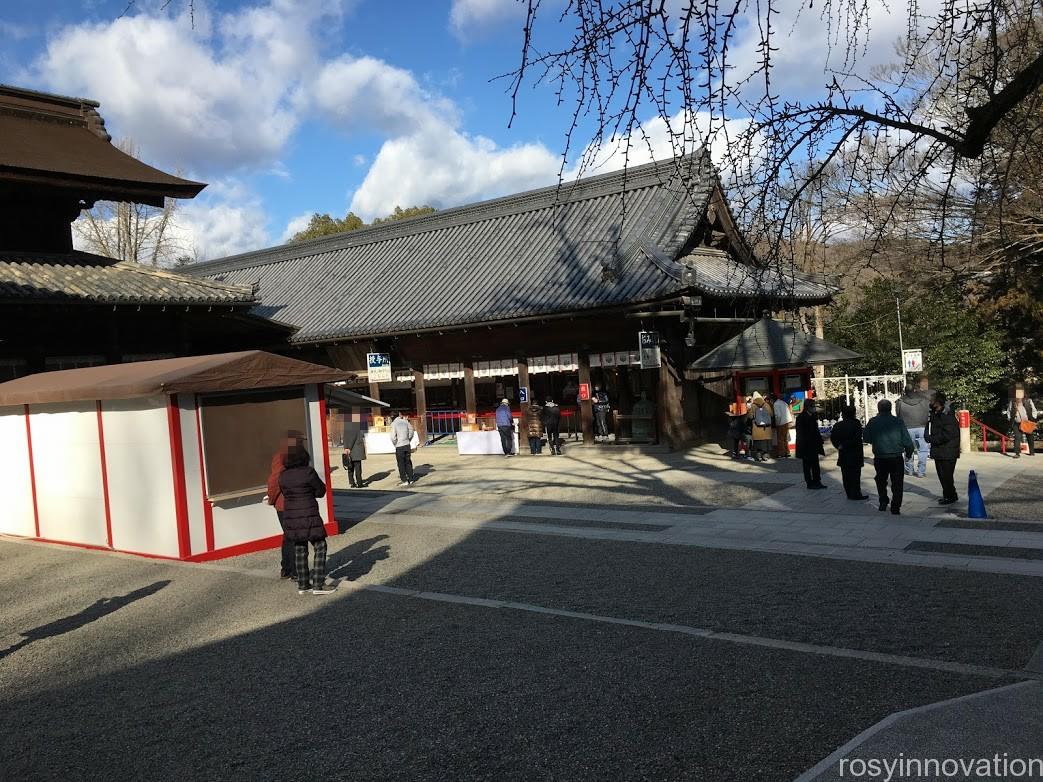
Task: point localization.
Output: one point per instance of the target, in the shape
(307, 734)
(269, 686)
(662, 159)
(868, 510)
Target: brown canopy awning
(194, 374)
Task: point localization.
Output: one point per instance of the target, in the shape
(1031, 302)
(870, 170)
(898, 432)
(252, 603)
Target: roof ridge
(140, 268)
(586, 188)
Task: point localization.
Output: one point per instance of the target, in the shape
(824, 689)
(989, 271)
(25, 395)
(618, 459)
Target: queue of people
(921, 426)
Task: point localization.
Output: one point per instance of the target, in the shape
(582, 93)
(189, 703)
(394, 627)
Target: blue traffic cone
(975, 502)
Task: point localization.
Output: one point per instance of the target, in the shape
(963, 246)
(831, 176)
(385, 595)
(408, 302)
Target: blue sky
(288, 107)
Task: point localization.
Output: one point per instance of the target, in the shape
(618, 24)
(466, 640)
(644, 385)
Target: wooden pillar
(523, 378)
(421, 404)
(586, 409)
(469, 397)
(374, 388)
(673, 429)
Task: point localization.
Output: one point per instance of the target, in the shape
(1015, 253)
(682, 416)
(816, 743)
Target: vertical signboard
(648, 345)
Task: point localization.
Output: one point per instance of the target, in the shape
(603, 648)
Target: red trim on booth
(208, 508)
(177, 460)
(331, 522)
(104, 476)
(238, 550)
(32, 470)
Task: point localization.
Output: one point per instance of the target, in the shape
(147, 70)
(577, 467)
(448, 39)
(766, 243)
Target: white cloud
(218, 97)
(295, 226)
(442, 166)
(811, 40)
(471, 17)
(365, 93)
(226, 218)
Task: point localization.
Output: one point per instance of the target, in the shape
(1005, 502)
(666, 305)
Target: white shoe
(404, 483)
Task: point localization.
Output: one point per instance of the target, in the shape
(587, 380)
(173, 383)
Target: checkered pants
(318, 571)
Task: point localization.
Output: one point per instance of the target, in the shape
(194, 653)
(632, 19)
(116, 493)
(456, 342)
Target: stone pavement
(699, 498)
(999, 726)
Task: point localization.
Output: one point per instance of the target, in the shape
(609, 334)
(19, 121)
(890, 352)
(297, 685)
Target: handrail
(984, 440)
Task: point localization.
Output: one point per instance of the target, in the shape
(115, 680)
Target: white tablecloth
(477, 443)
(380, 442)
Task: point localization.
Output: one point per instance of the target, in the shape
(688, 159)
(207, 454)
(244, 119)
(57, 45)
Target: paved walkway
(700, 499)
(1001, 727)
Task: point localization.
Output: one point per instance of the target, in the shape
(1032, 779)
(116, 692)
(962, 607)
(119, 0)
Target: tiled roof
(558, 249)
(56, 140)
(91, 278)
(605, 241)
(716, 273)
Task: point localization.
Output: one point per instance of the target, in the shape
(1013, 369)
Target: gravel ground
(200, 674)
(1021, 497)
(977, 618)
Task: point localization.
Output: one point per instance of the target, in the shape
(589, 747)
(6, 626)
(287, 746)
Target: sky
(290, 107)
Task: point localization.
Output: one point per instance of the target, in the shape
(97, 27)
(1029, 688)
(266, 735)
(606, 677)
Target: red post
(177, 461)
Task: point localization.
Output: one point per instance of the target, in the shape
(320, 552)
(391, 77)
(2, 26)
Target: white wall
(67, 462)
(141, 483)
(320, 451)
(18, 517)
(193, 472)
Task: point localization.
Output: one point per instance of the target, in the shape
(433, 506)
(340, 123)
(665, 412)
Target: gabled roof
(245, 370)
(770, 344)
(716, 273)
(579, 246)
(77, 276)
(58, 141)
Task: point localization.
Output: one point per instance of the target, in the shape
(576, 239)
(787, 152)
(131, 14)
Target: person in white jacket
(402, 438)
(783, 423)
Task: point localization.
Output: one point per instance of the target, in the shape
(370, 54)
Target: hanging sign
(584, 392)
(912, 360)
(523, 394)
(648, 347)
(379, 365)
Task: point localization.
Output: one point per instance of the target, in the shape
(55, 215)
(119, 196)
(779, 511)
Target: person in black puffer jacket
(943, 433)
(300, 486)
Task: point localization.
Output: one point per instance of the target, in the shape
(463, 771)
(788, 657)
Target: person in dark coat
(552, 426)
(534, 427)
(300, 486)
(943, 433)
(275, 499)
(354, 450)
(809, 445)
(847, 439)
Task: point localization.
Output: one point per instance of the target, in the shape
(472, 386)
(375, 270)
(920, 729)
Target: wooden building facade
(546, 291)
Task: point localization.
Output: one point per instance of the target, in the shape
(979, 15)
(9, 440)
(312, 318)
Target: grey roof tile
(604, 241)
(94, 279)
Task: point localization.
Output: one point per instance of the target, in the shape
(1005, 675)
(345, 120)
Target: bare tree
(909, 136)
(133, 232)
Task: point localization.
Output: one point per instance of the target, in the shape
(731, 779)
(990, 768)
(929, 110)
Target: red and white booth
(164, 458)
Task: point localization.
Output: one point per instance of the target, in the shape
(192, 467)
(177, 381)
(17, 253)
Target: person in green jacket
(891, 446)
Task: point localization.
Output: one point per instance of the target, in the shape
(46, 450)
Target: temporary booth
(166, 458)
(772, 358)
